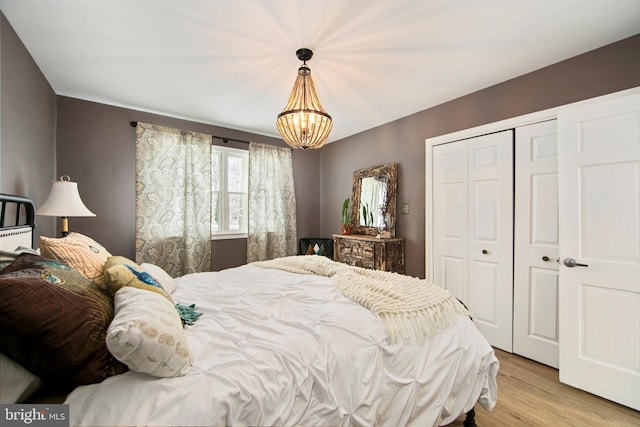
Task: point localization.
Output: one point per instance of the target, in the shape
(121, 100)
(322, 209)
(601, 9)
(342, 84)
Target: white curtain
(272, 203)
(173, 199)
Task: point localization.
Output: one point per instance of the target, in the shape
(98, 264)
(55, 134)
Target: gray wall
(27, 125)
(96, 148)
(605, 70)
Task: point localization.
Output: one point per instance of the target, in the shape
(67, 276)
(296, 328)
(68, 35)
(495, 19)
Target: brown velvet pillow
(53, 321)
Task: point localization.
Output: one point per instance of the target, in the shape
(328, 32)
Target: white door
(535, 276)
(491, 236)
(599, 190)
(451, 218)
(473, 229)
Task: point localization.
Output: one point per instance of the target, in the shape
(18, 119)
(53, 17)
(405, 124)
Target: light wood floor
(530, 394)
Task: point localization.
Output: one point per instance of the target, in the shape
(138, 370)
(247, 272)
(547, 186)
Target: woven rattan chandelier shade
(303, 122)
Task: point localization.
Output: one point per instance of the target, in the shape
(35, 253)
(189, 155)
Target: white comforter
(278, 348)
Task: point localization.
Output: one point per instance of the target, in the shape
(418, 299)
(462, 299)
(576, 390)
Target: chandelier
(303, 123)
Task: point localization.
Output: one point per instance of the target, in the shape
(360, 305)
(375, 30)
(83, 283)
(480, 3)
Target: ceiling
(232, 63)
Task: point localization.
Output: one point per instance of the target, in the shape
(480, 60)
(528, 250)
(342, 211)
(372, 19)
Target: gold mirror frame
(391, 172)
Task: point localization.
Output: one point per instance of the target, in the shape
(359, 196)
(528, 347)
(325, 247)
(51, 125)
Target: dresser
(369, 252)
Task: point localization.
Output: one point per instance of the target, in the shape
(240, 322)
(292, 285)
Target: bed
(281, 343)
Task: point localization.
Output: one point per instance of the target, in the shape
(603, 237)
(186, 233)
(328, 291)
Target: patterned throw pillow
(53, 322)
(120, 271)
(79, 252)
(147, 334)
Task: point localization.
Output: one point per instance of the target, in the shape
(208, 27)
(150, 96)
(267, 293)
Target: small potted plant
(346, 226)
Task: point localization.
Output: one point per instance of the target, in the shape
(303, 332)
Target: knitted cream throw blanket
(411, 309)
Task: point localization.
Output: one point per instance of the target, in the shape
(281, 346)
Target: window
(229, 189)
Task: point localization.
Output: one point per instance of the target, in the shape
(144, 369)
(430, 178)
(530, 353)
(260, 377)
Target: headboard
(17, 221)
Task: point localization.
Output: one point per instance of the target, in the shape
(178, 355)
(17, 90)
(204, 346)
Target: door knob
(545, 258)
(484, 251)
(570, 262)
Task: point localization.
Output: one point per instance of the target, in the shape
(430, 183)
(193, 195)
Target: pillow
(16, 383)
(120, 271)
(147, 335)
(168, 283)
(316, 246)
(78, 251)
(53, 322)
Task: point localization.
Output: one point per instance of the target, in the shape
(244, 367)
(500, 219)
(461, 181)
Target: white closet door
(451, 218)
(473, 229)
(535, 284)
(599, 183)
(491, 236)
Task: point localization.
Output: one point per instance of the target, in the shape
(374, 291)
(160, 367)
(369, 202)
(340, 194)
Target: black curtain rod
(224, 139)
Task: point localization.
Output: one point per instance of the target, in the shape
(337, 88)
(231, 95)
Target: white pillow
(167, 282)
(16, 383)
(147, 335)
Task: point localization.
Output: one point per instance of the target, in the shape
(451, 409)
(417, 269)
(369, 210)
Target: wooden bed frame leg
(470, 420)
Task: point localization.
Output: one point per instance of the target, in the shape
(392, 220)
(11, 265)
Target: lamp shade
(64, 200)
(304, 123)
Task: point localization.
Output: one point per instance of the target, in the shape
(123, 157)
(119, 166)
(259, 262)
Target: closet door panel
(450, 218)
(543, 326)
(454, 276)
(491, 236)
(544, 207)
(473, 229)
(535, 314)
(485, 212)
(485, 293)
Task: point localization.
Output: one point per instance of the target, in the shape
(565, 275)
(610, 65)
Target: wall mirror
(375, 189)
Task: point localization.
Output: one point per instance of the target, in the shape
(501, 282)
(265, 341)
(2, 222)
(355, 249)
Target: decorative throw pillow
(53, 322)
(147, 334)
(168, 283)
(316, 246)
(120, 271)
(78, 251)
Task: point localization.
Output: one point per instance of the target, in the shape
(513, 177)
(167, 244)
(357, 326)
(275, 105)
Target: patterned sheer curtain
(173, 199)
(272, 203)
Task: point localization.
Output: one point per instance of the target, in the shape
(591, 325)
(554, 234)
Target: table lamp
(64, 201)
